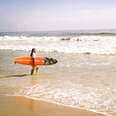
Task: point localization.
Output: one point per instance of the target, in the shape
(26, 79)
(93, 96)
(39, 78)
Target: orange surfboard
(27, 60)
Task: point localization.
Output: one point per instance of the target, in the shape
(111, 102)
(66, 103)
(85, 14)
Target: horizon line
(58, 30)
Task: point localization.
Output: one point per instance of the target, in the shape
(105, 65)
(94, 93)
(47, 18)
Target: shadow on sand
(18, 75)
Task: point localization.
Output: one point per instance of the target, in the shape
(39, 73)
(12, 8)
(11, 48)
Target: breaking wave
(90, 44)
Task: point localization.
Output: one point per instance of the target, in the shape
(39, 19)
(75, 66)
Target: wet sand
(21, 106)
(87, 83)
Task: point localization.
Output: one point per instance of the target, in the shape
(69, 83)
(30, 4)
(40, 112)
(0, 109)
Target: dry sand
(21, 106)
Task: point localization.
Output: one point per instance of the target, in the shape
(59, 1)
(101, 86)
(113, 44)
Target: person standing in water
(33, 56)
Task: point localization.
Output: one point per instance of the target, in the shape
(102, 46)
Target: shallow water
(80, 80)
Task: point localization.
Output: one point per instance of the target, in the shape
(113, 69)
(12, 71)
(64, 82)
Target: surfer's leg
(33, 68)
(37, 69)
(32, 71)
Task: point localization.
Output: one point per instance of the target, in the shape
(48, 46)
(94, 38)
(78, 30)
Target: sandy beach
(57, 58)
(87, 83)
(21, 106)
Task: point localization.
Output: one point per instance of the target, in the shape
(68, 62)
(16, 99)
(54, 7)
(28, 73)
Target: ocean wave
(67, 44)
(57, 38)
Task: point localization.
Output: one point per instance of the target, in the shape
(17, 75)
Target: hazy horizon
(65, 30)
(52, 15)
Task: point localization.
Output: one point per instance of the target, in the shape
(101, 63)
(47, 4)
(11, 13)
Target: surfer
(33, 56)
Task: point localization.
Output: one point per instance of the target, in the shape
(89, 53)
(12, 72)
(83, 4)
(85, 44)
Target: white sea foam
(73, 44)
(74, 95)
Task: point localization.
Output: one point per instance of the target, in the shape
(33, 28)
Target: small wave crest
(73, 44)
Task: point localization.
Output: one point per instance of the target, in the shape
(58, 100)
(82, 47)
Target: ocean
(84, 76)
(93, 42)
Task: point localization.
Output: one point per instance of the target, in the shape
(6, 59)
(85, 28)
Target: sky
(50, 15)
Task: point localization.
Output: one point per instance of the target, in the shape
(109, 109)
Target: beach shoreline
(77, 81)
(22, 106)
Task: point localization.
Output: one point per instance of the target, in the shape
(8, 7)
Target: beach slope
(21, 106)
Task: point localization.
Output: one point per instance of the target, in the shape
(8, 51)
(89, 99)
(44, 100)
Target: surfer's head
(33, 50)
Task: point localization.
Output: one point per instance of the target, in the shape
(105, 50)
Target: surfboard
(27, 60)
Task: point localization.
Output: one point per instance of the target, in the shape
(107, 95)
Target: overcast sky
(40, 15)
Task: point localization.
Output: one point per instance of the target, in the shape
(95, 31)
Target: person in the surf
(33, 56)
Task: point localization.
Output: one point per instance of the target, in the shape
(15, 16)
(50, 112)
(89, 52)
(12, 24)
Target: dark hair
(32, 51)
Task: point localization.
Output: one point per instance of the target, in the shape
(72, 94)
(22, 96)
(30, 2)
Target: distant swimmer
(33, 56)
